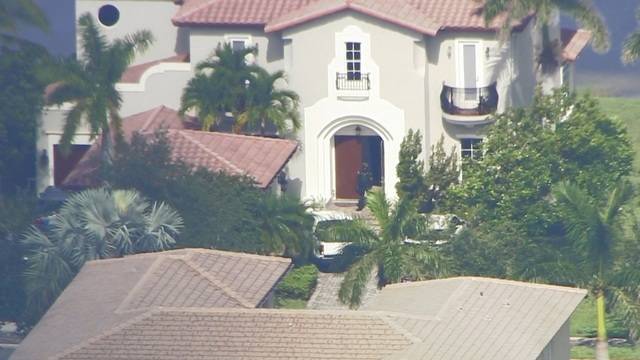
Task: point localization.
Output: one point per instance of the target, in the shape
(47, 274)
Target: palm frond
(356, 231)
(631, 48)
(352, 288)
(94, 44)
(379, 206)
(71, 124)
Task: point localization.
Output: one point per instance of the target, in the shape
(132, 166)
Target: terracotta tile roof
(257, 157)
(106, 295)
(134, 73)
(424, 16)
(573, 42)
(451, 319)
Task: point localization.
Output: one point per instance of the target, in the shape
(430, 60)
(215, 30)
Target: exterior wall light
(44, 158)
(358, 131)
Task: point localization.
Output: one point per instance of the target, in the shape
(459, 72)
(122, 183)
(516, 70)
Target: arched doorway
(355, 146)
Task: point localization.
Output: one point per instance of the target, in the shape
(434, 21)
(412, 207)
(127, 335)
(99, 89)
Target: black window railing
(353, 81)
(469, 101)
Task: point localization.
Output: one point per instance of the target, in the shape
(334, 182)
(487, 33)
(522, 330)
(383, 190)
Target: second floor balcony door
(468, 72)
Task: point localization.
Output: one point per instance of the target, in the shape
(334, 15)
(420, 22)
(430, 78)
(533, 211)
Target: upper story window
(354, 61)
(238, 45)
(470, 148)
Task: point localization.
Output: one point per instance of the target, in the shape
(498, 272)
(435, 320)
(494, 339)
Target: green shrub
(291, 303)
(298, 284)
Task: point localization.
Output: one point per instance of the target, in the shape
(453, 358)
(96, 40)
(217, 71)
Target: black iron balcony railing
(469, 101)
(353, 81)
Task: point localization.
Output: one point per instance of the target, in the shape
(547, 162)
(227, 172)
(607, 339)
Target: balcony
(468, 105)
(353, 81)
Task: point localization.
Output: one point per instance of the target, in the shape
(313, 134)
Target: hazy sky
(60, 40)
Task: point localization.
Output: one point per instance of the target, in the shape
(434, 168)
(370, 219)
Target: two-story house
(366, 71)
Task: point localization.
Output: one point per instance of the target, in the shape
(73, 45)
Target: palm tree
(580, 10)
(90, 83)
(285, 225)
(268, 105)
(607, 261)
(387, 250)
(93, 224)
(219, 85)
(631, 47)
(14, 12)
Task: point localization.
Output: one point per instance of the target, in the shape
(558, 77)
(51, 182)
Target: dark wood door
(63, 164)
(348, 162)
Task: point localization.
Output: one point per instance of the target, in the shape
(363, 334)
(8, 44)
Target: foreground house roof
(259, 158)
(423, 16)
(108, 295)
(573, 42)
(450, 319)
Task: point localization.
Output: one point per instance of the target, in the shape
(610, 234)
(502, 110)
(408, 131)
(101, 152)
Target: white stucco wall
(49, 134)
(407, 72)
(136, 15)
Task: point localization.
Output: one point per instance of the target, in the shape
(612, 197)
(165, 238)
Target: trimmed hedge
(298, 284)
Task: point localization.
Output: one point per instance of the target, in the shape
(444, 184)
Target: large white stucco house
(366, 71)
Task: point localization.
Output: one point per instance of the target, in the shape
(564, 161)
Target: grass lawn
(615, 353)
(583, 324)
(627, 111)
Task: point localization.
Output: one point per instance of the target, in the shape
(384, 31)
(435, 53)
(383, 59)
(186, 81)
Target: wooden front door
(63, 164)
(348, 162)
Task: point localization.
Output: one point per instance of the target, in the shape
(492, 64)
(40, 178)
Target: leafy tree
(14, 12)
(90, 82)
(581, 11)
(21, 101)
(631, 47)
(93, 224)
(285, 225)
(606, 260)
(410, 168)
(16, 213)
(428, 188)
(219, 210)
(268, 105)
(559, 137)
(386, 250)
(219, 86)
(443, 173)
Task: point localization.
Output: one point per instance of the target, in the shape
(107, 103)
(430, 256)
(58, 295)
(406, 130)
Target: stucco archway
(326, 118)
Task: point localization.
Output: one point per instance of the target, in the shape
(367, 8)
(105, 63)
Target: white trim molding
(329, 116)
(141, 86)
(338, 64)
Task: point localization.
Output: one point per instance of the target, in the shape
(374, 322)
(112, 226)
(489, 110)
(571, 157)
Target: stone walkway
(325, 297)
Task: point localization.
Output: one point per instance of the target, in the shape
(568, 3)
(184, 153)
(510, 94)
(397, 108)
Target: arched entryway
(355, 146)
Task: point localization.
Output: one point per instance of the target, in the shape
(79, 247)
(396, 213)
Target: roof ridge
(238, 254)
(151, 118)
(184, 134)
(109, 331)
(261, 138)
(122, 307)
(230, 292)
(493, 280)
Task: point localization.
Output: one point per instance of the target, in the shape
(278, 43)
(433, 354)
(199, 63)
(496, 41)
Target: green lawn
(583, 324)
(627, 111)
(615, 353)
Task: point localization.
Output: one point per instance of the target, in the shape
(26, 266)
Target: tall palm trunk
(106, 146)
(602, 351)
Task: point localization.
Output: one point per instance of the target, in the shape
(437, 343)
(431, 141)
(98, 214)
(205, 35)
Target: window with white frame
(470, 148)
(238, 42)
(354, 60)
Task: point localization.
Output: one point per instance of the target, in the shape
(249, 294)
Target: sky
(604, 73)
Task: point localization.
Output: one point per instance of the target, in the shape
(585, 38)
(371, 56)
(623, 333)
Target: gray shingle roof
(477, 318)
(457, 318)
(109, 293)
